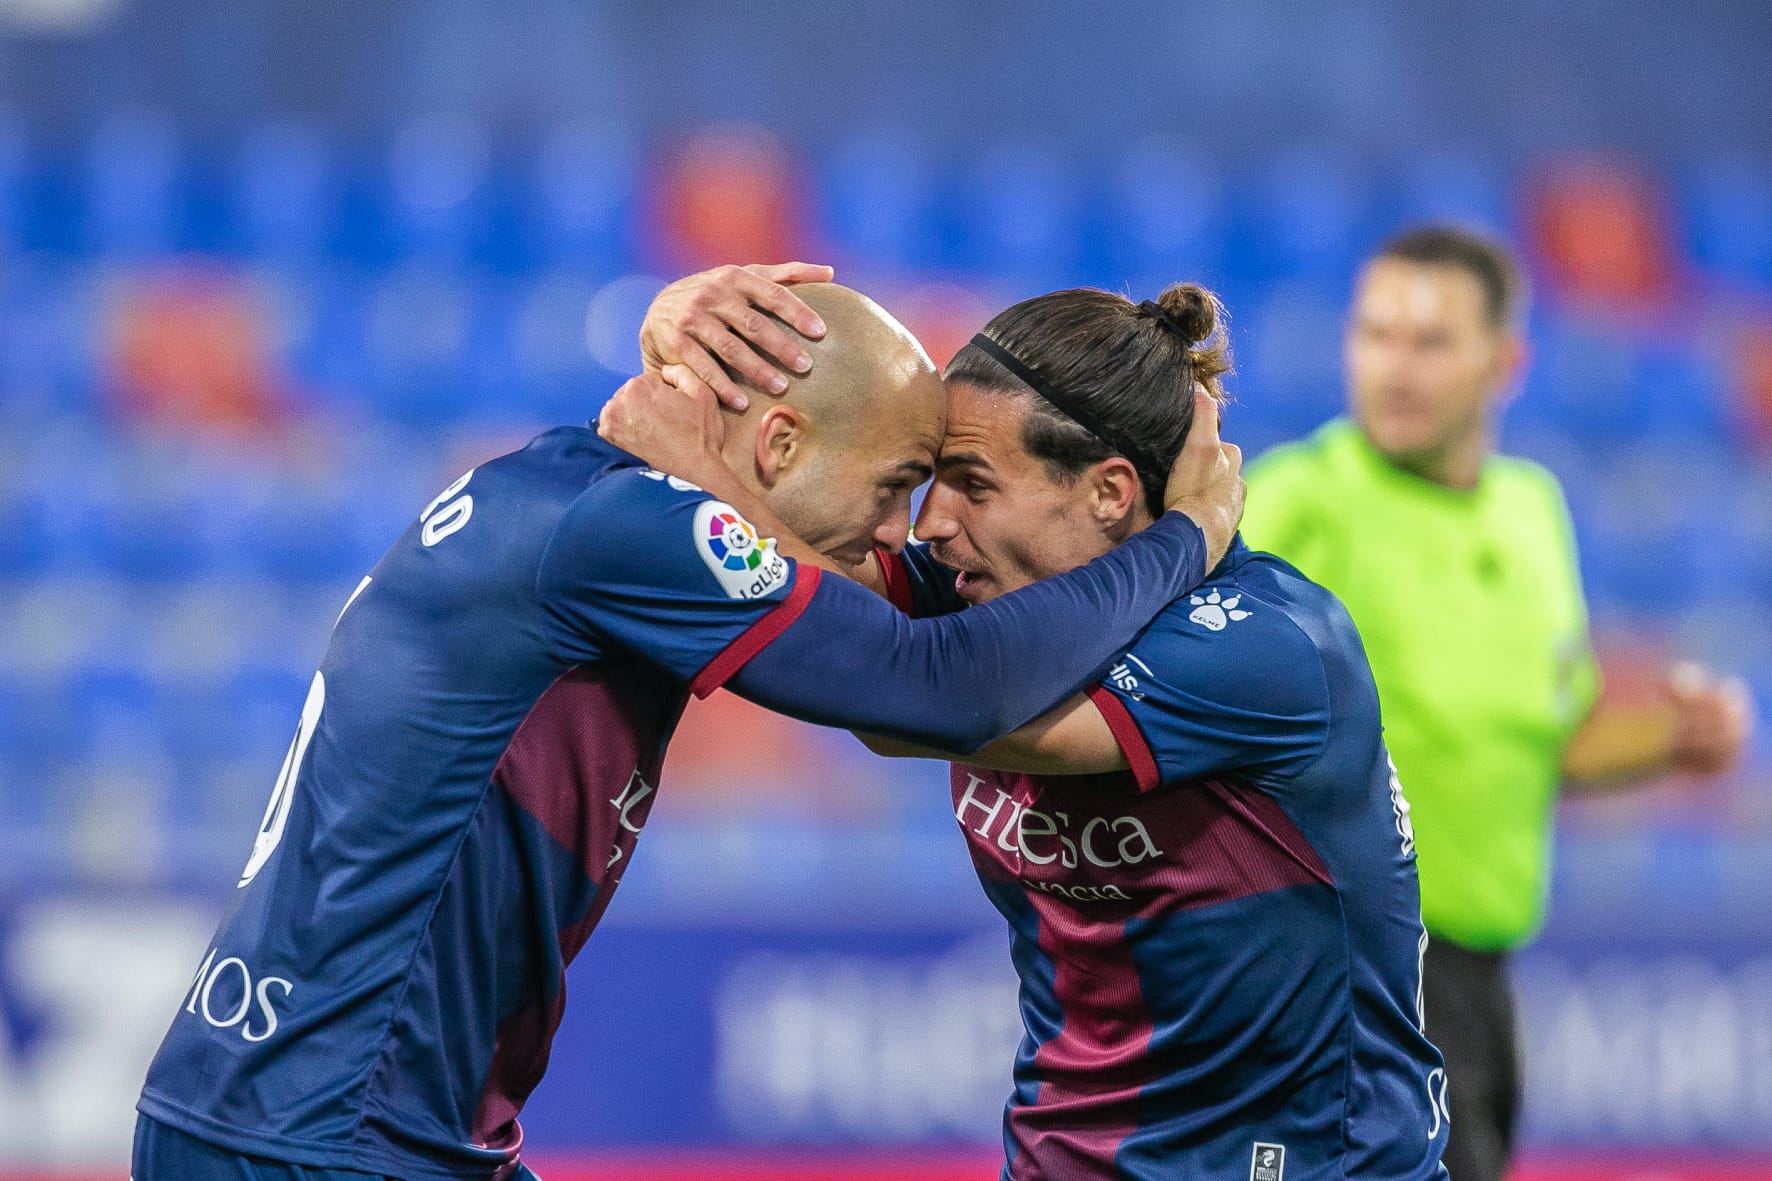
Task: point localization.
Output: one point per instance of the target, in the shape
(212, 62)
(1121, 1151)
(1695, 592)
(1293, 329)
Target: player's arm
(635, 566)
(1074, 739)
(1701, 727)
(1184, 703)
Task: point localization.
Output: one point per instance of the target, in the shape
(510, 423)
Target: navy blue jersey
(475, 759)
(1219, 950)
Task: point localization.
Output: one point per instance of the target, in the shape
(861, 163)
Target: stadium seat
(437, 187)
(879, 206)
(284, 194)
(1728, 210)
(1022, 218)
(1164, 215)
(1307, 217)
(133, 189)
(1462, 188)
(13, 186)
(583, 191)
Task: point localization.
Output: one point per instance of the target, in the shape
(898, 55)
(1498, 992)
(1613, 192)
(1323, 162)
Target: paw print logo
(1214, 612)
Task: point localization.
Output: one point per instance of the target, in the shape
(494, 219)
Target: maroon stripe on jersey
(584, 763)
(759, 635)
(1093, 1070)
(1129, 736)
(898, 582)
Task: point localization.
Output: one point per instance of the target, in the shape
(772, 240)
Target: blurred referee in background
(1459, 566)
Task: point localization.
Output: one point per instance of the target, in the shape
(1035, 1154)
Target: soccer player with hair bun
(1205, 860)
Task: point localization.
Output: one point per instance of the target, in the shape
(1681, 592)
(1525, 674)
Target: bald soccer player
(481, 746)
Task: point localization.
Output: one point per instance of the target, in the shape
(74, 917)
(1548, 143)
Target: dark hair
(1128, 368)
(1484, 259)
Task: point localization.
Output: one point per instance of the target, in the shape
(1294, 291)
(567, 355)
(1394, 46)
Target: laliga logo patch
(746, 566)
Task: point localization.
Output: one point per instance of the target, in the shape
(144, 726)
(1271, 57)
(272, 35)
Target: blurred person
(1205, 860)
(480, 749)
(1459, 567)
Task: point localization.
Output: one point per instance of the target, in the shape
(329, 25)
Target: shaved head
(839, 453)
(868, 363)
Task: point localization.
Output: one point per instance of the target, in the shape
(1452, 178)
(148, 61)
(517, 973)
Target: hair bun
(1191, 308)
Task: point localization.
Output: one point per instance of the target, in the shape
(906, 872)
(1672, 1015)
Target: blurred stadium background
(272, 274)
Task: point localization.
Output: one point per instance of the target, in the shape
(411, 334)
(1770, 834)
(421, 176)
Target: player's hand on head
(718, 323)
(1714, 718)
(674, 428)
(1206, 480)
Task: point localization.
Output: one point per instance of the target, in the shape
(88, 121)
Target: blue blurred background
(272, 274)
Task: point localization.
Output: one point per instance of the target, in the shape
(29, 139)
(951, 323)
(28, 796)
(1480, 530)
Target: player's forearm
(1619, 748)
(957, 682)
(1073, 739)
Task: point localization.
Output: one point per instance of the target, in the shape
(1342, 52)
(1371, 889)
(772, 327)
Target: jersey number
(270, 829)
(446, 516)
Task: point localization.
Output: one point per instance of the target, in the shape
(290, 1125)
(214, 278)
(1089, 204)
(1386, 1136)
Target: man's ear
(1113, 491)
(781, 438)
(1512, 360)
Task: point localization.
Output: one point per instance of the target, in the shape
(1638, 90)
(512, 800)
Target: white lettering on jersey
(201, 1000)
(442, 520)
(1041, 838)
(1400, 810)
(633, 794)
(745, 565)
(270, 829)
(674, 482)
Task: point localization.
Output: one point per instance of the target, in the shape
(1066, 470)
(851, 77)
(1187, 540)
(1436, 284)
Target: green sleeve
(1580, 673)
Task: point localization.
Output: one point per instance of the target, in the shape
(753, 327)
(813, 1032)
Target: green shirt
(1471, 610)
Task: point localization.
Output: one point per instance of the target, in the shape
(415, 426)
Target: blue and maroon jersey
(475, 759)
(1219, 950)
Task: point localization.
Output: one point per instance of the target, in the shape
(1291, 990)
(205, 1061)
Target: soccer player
(1459, 567)
(1205, 861)
(480, 749)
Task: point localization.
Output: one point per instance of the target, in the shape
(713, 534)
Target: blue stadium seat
(1728, 209)
(418, 324)
(1683, 387)
(13, 186)
(1164, 215)
(284, 194)
(1022, 218)
(437, 188)
(584, 200)
(1586, 379)
(879, 205)
(134, 198)
(49, 312)
(1460, 188)
(1289, 356)
(1307, 217)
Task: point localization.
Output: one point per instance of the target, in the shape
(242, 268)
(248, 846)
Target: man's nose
(893, 532)
(935, 522)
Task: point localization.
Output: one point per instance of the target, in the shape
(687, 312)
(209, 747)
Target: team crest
(1268, 1162)
(747, 566)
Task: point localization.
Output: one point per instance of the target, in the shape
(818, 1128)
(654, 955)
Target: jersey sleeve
(958, 681)
(654, 566)
(1219, 684)
(1578, 672)
(917, 584)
